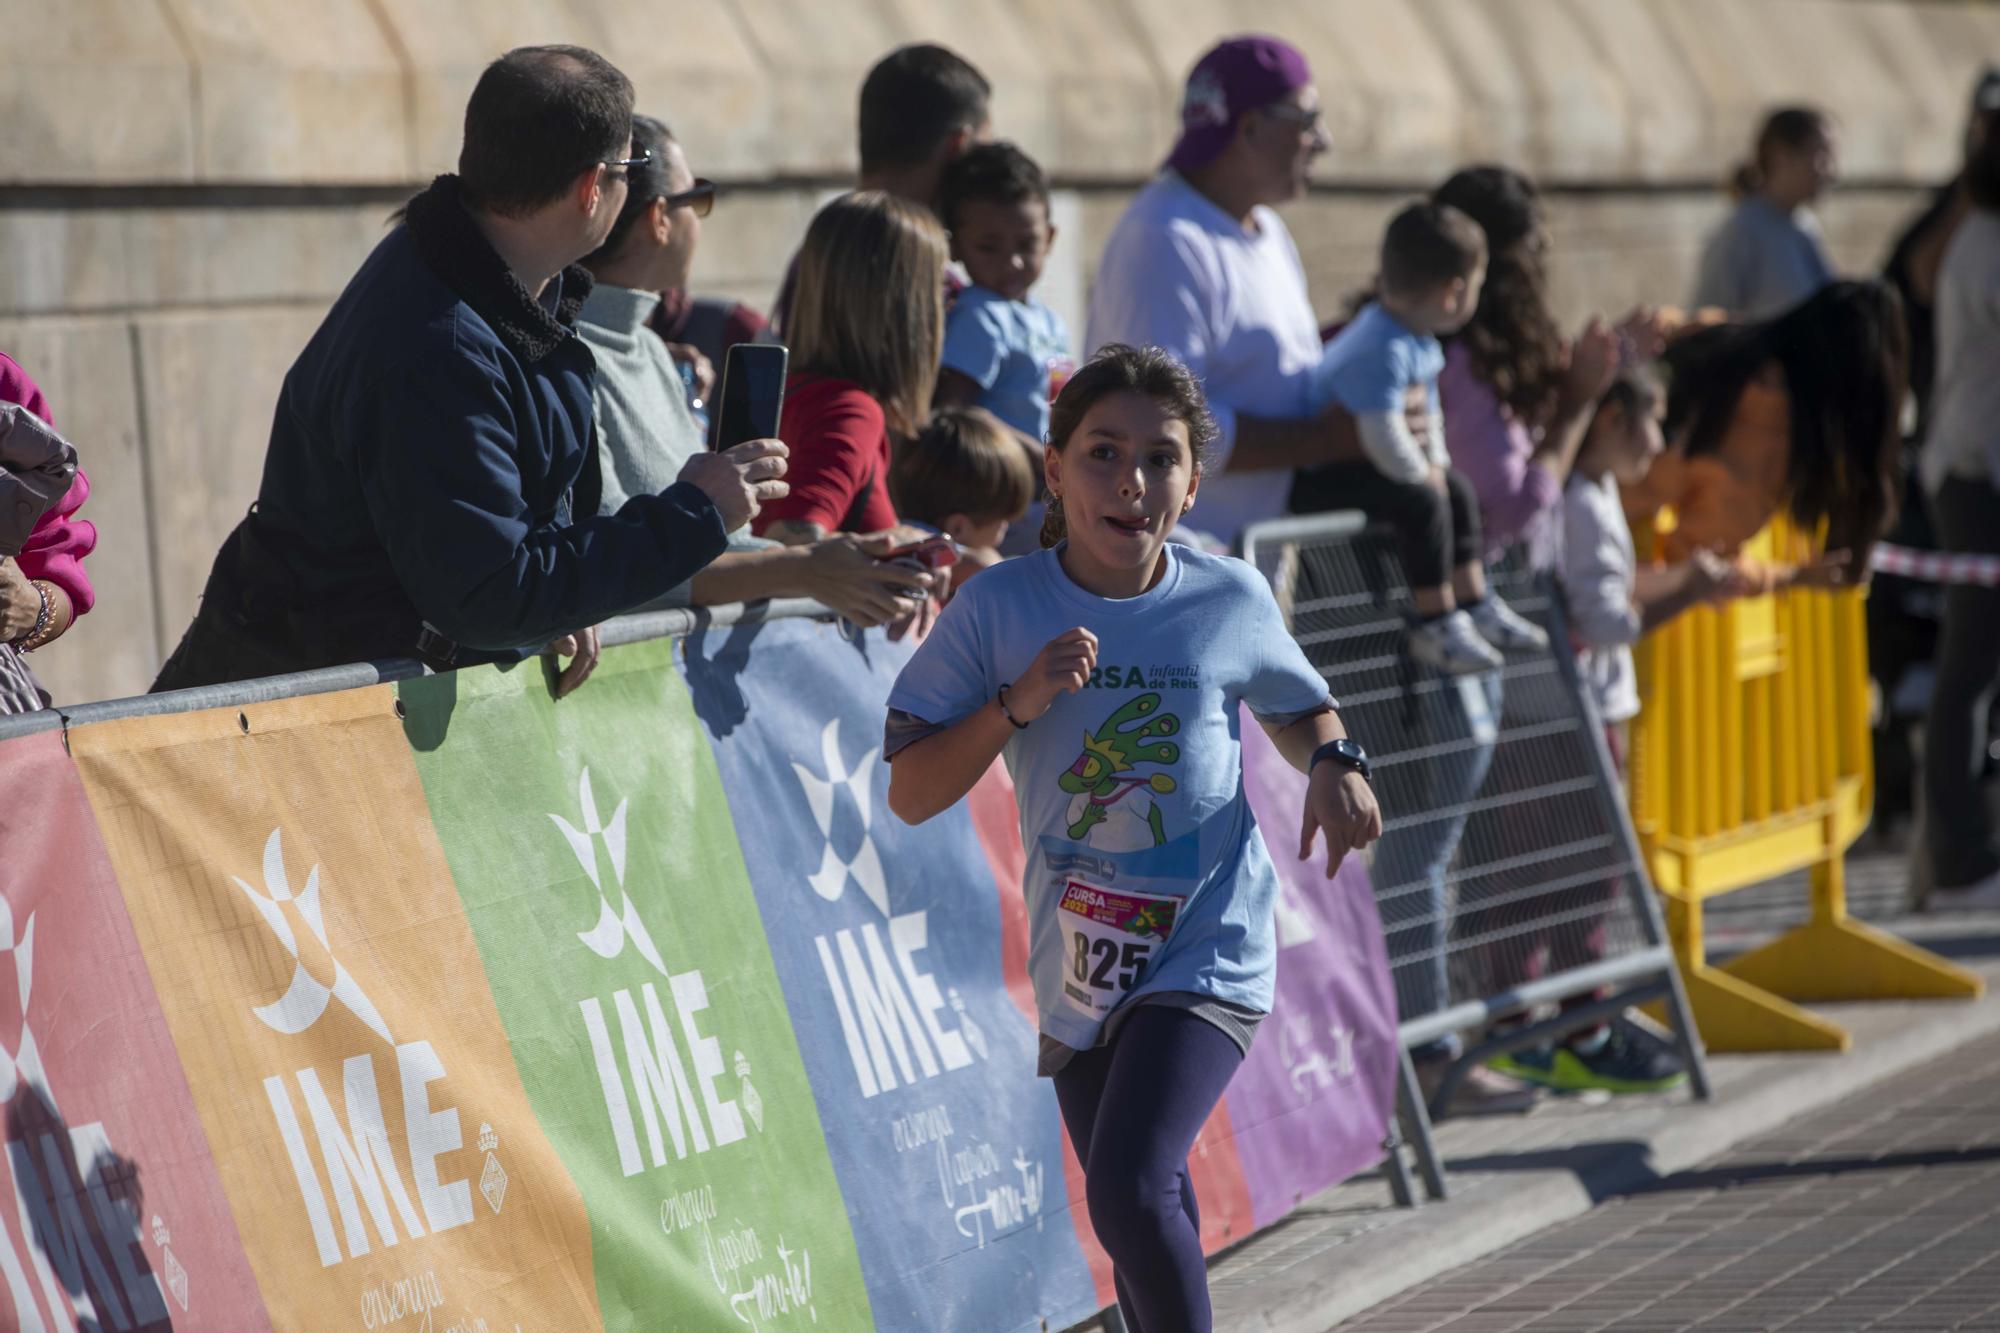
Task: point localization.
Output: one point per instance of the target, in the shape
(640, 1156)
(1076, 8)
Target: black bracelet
(1007, 712)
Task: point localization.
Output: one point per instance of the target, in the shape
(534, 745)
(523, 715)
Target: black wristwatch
(1346, 752)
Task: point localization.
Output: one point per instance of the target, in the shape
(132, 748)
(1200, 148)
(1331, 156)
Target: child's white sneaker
(1500, 625)
(1979, 896)
(1453, 645)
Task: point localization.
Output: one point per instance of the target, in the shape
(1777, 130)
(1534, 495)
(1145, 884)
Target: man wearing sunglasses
(417, 496)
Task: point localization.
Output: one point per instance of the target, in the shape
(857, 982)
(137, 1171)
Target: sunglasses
(1308, 119)
(645, 156)
(700, 198)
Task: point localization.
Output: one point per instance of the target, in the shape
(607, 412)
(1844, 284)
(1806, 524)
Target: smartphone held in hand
(752, 395)
(939, 552)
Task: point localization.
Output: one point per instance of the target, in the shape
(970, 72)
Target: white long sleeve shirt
(1599, 571)
(1181, 274)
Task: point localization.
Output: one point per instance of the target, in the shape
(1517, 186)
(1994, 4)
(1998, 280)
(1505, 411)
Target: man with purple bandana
(1201, 266)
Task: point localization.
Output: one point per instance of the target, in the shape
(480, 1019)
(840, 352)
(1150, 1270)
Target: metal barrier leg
(1834, 957)
(1416, 1121)
(1397, 1170)
(1679, 1016)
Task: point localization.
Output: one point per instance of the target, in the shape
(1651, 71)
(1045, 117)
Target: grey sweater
(645, 432)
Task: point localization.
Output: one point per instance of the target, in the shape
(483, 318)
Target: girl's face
(1126, 475)
(1805, 173)
(1638, 441)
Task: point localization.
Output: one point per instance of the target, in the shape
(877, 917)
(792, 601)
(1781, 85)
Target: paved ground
(1349, 1254)
(1882, 1212)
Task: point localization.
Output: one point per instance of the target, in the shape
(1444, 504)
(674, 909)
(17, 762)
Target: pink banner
(113, 1216)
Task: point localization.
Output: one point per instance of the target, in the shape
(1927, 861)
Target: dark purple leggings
(1133, 1109)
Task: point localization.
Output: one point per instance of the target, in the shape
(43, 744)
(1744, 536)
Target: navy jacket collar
(454, 249)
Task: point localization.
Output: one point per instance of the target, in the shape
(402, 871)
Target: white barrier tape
(1936, 566)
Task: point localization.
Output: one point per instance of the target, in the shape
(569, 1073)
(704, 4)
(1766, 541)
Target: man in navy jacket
(430, 444)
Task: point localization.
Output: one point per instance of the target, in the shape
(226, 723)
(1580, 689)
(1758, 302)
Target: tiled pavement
(1880, 1212)
(1347, 1253)
(1348, 1249)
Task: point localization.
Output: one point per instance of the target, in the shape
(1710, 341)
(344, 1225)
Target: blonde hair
(963, 462)
(869, 302)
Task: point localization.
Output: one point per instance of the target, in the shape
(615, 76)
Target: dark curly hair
(997, 173)
(1844, 353)
(1515, 344)
(1118, 368)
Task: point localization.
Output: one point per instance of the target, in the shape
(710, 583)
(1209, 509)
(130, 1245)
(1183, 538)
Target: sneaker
(1505, 628)
(1452, 645)
(1979, 896)
(1623, 1058)
(1482, 1091)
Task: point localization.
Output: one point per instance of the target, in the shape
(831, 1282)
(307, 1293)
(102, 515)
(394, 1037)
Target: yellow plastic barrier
(1751, 759)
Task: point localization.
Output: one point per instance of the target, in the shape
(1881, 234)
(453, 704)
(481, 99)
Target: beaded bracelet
(1007, 712)
(39, 635)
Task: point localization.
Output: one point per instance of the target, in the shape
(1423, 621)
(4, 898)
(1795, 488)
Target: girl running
(1107, 668)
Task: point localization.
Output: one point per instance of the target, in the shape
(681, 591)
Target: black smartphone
(753, 394)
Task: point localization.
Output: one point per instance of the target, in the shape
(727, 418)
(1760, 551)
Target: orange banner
(345, 1056)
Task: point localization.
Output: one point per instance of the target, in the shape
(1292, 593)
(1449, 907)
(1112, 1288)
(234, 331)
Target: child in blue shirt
(1433, 266)
(1108, 669)
(1001, 345)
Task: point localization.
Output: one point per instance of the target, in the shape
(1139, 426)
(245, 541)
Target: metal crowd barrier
(672, 623)
(1508, 875)
(1751, 759)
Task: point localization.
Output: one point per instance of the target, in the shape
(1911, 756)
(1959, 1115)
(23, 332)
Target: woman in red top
(866, 329)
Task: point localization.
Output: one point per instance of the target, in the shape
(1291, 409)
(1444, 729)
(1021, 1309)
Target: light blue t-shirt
(1145, 871)
(1762, 261)
(1373, 361)
(1008, 348)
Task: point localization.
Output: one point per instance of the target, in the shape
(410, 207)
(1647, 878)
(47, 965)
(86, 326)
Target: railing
(666, 624)
(1508, 875)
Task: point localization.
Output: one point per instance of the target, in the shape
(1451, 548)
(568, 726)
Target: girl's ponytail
(1054, 526)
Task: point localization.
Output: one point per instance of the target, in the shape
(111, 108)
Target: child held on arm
(966, 476)
(1433, 265)
(1002, 347)
(1148, 887)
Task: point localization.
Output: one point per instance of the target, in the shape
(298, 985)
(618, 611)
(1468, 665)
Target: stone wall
(190, 182)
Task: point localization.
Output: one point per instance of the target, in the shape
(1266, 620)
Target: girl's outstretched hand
(1062, 667)
(1340, 801)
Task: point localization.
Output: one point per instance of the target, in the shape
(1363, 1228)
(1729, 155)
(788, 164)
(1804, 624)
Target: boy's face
(1457, 300)
(968, 531)
(1003, 246)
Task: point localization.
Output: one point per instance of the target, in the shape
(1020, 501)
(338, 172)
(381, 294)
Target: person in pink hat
(1202, 266)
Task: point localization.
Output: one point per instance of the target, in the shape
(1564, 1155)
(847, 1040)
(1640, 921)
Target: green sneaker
(1627, 1059)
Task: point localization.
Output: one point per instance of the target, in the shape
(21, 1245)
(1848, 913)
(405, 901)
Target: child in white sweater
(1611, 600)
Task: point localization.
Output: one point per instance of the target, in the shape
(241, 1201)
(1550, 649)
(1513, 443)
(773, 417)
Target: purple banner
(1311, 1105)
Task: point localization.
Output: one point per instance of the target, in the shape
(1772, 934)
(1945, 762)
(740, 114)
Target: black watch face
(1351, 750)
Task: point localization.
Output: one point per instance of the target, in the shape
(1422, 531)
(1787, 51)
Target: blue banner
(887, 941)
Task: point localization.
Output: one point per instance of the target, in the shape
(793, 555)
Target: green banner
(599, 866)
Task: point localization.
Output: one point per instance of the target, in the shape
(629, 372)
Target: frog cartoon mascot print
(1124, 865)
(1112, 807)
